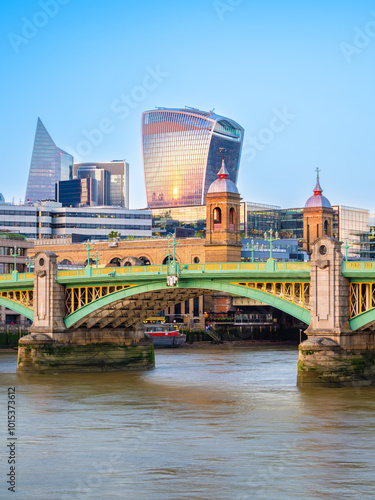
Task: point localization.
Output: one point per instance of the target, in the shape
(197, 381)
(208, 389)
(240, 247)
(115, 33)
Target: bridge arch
(128, 303)
(145, 260)
(17, 307)
(67, 261)
(114, 262)
(363, 320)
(131, 261)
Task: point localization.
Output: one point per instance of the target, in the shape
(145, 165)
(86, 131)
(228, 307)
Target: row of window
(10, 250)
(30, 213)
(102, 226)
(17, 224)
(93, 215)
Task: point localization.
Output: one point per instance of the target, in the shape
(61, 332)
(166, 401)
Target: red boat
(165, 335)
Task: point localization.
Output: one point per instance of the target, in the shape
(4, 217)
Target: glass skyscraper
(49, 164)
(182, 153)
(113, 180)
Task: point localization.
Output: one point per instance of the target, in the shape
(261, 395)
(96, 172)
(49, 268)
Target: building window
(217, 215)
(196, 260)
(116, 262)
(232, 216)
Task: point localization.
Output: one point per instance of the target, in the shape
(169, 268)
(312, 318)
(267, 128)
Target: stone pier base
(85, 350)
(324, 362)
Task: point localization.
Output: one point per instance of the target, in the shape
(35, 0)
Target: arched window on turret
(217, 218)
(232, 219)
(325, 227)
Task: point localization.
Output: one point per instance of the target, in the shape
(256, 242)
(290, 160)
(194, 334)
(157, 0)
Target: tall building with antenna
(181, 152)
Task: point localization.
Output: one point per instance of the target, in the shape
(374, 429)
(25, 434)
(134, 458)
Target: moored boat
(165, 335)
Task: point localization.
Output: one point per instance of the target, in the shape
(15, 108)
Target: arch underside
(131, 306)
(18, 308)
(363, 321)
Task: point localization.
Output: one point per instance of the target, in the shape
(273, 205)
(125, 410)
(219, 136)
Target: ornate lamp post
(172, 266)
(16, 252)
(251, 249)
(89, 248)
(271, 239)
(346, 246)
(97, 258)
(29, 262)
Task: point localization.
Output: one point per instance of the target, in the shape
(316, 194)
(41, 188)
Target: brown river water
(205, 424)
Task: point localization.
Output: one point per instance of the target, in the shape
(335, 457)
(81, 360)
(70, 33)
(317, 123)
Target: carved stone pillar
(49, 296)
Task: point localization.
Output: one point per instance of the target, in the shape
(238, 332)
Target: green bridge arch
(203, 284)
(18, 308)
(363, 320)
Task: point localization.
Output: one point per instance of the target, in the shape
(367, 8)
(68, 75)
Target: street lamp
(97, 258)
(346, 246)
(89, 248)
(29, 262)
(172, 266)
(16, 252)
(251, 249)
(271, 239)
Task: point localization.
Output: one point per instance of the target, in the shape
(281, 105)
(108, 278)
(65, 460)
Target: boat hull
(167, 340)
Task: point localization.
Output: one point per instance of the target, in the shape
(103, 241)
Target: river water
(205, 424)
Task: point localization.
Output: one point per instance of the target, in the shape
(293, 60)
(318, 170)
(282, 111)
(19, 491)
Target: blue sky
(75, 63)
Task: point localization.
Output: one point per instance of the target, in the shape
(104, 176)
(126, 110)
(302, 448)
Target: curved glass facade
(181, 154)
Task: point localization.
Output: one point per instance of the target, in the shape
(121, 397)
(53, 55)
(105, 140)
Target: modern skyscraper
(77, 192)
(181, 151)
(49, 164)
(113, 180)
(102, 178)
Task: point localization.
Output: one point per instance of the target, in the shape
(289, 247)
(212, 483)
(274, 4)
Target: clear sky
(298, 76)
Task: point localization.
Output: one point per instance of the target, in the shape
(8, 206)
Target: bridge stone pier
(51, 347)
(333, 355)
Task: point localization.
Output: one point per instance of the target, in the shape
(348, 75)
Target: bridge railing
(358, 267)
(20, 277)
(199, 268)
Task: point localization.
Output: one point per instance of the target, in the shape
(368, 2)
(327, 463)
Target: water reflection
(204, 424)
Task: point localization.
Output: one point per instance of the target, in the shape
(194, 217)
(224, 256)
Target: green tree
(114, 234)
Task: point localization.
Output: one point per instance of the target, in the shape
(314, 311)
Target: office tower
(49, 164)
(102, 177)
(182, 149)
(113, 180)
(77, 192)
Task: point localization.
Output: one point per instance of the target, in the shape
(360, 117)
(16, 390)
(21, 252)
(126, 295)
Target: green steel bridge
(126, 296)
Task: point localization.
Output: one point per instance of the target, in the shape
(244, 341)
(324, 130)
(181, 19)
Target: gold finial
(222, 150)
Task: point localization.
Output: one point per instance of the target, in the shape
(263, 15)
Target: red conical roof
(318, 200)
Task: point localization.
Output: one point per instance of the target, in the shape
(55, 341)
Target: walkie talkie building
(182, 152)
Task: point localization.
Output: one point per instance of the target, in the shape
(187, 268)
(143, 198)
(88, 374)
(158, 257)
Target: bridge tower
(317, 217)
(223, 237)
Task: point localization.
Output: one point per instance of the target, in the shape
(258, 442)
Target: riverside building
(10, 244)
(49, 219)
